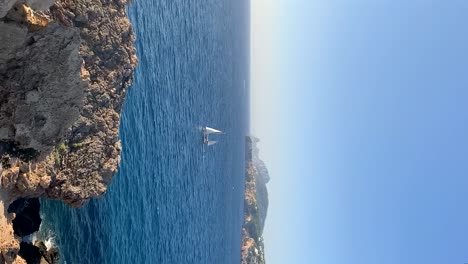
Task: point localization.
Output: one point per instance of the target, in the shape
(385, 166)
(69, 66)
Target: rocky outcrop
(37, 253)
(9, 250)
(50, 256)
(26, 221)
(41, 88)
(62, 86)
(257, 170)
(65, 67)
(255, 205)
(92, 147)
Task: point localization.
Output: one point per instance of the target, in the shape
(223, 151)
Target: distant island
(255, 205)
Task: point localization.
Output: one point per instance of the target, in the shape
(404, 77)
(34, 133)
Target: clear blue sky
(362, 108)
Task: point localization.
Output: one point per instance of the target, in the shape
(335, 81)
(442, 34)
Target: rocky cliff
(62, 85)
(255, 205)
(65, 67)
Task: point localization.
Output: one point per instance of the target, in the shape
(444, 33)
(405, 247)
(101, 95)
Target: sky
(362, 111)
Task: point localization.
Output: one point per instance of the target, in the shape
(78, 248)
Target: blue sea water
(174, 200)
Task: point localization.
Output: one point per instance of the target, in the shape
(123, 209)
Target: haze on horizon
(361, 111)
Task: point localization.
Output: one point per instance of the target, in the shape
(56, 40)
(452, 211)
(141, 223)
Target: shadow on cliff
(27, 221)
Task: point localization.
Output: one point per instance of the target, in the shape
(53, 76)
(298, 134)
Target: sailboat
(209, 130)
(206, 132)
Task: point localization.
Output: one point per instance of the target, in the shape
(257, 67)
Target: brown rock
(74, 125)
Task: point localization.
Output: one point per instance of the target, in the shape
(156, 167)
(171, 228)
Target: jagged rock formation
(37, 253)
(41, 91)
(26, 222)
(64, 70)
(62, 86)
(255, 205)
(47, 255)
(9, 246)
(92, 146)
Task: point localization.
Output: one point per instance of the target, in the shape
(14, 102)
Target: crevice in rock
(30, 253)
(26, 223)
(9, 149)
(27, 219)
(38, 253)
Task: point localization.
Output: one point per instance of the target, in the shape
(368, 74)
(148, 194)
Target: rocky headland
(65, 67)
(255, 205)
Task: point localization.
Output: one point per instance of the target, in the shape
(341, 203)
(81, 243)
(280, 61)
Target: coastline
(9, 244)
(255, 205)
(73, 62)
(95, 63)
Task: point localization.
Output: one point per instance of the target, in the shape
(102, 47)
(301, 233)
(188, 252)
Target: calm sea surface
(174, 200)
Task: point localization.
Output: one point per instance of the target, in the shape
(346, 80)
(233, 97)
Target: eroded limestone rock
(41, 88)
(61, 92)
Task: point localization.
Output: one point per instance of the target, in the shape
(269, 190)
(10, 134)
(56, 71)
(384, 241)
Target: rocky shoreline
(255, 205)
(26, 222)
(65, 67)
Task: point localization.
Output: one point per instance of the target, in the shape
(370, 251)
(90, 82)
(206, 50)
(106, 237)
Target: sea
(174, 200)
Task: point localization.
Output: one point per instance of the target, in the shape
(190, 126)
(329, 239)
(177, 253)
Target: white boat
(206, 132)
(209, 130)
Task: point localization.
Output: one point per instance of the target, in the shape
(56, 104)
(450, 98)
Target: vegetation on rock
(63, 79)
(64, 73)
